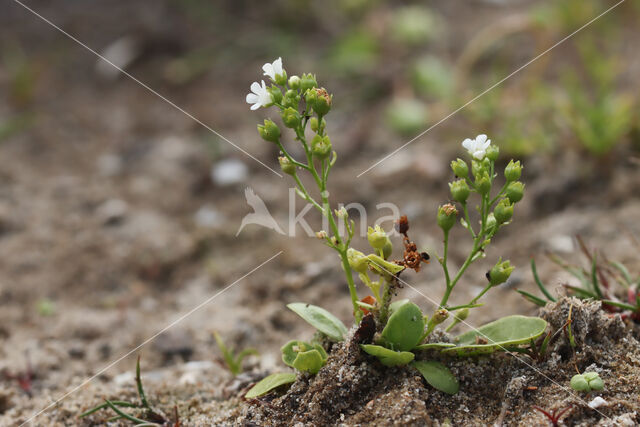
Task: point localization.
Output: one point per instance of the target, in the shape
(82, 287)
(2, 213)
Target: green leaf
(625, 273)
(622, 305)
(388, 357)
(304, 356)
(532, 298)
(310, 361)
(544, 290)
(320, 319)
(437, 375)
(434, 345)
(405, 327)
(594, 278)
(269, 383)
(505, 332)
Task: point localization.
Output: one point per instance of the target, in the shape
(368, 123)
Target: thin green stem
(484, 291)
(386, 300)
(290, 158)
(444, 258)
(352, 286)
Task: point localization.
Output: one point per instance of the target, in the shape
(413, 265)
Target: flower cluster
(302, 105)
(494, 212)
(393, 332)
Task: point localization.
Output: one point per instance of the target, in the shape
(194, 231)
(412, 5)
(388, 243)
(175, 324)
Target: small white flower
(273, 69)
(477, 147)
(260, 96)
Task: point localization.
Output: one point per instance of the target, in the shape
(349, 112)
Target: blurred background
(118, 213)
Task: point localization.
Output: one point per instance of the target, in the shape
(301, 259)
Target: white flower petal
(255, 87)
(269, 71)
(277, 66)
(252, 98)
(255, 106)
(481, 138)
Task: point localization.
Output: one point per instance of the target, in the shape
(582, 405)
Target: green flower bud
(491, 221)
(459, 190)
(387, 249)
(500, 272)
(291, 99)
(579, 383)
(320, 101)
(462, 314)
(357, 261)
(294, 82)
(447, 216)
(492, 153)
(281, 79)
(269, 131)
(460, 168)
(483, 184)
(286, 166)
(438, 317)
(321, 146)
(515, 191)
(377, 237)
(313, 122)
(342, 213)
(503, 211)
(291, 118)
(276, 94)
(477, 168)
(513, 171)
(308, 81)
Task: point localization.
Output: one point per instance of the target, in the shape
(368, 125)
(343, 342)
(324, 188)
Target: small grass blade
(544, 290)
(127, 416)
(594, 278)
(143, 397)
(584, 293)
(104, 405)
(532, 298)
(622, 305)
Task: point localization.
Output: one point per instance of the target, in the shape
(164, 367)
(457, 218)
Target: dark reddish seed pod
(402, 225)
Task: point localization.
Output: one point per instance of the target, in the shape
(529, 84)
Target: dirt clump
(502, 388)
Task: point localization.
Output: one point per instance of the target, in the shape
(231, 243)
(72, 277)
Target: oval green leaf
(290, 351)
(309, 361)
(501, 334)
(404, 327)
(320, 319)
(269, 383)
(437, 375)
(388, 357)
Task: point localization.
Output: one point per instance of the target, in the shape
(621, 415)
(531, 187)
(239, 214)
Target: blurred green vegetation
(413, 63)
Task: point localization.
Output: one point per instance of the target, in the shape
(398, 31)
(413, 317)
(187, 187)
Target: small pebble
(597, 402)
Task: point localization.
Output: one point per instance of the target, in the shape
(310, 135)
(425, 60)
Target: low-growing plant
(149, 417)
(597, 282)
(231, 360)
(587, 382)
(395, 331)
(553, 415)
